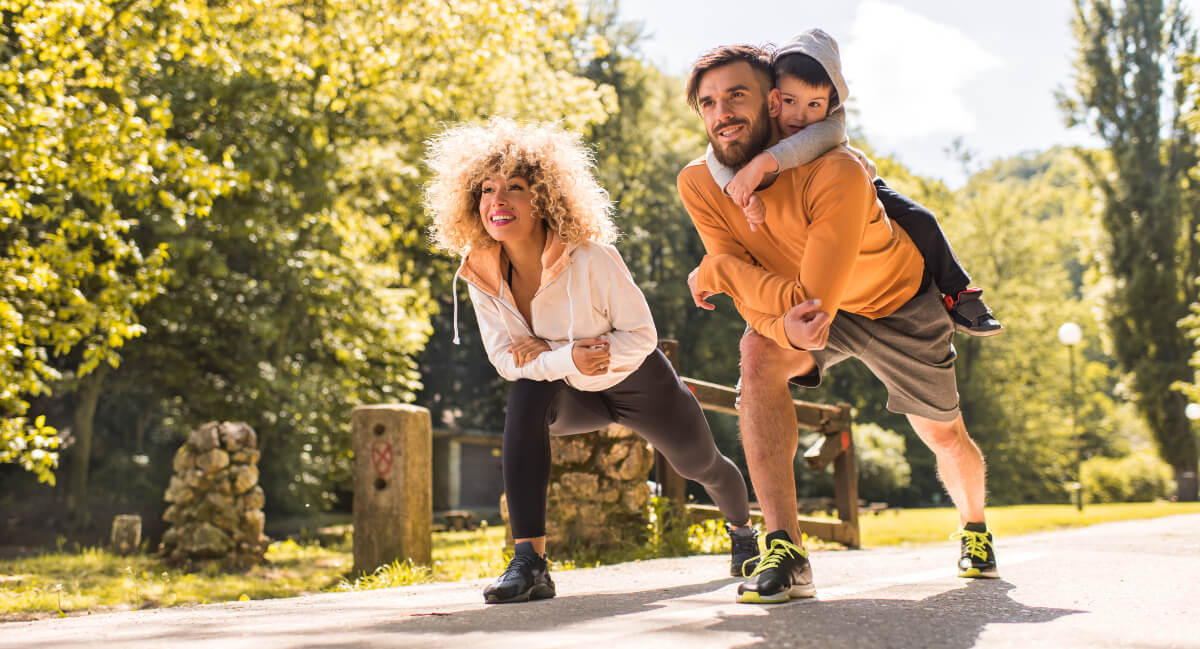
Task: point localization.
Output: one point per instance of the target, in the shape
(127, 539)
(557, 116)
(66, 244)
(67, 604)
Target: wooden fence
(836, 446)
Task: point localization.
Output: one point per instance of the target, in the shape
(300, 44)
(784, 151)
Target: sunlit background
(921, 72)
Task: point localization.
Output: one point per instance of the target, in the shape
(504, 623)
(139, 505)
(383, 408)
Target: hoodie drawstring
(454, 291)
(571, 310)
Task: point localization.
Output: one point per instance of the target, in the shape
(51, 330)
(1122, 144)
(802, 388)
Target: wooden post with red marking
(393, 489)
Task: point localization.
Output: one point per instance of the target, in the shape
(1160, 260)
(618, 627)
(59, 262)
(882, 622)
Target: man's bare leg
(768, 427)
(959, 462)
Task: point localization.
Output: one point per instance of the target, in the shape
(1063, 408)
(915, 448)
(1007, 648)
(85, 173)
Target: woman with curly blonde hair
(561, 317)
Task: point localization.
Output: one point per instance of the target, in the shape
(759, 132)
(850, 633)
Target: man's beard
(736, 154)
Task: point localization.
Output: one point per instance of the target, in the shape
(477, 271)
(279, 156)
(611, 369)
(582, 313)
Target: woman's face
(506, 207)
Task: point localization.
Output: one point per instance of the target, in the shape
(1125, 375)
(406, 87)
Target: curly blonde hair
(555, 162)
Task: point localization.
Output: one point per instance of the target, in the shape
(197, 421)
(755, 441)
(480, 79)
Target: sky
(921, 73)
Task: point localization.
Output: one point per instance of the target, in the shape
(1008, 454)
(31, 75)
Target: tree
(84, 158)
(1021, 228)
(1130, 91)
(307, 289)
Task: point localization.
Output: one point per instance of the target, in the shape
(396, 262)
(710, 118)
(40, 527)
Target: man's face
(736, 113)
(800, 104)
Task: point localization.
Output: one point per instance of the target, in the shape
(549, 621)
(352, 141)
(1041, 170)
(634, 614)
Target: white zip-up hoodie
(585, 291)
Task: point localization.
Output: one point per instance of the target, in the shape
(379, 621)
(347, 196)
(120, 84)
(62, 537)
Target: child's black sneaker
(527, 577)
(743, 550)
(970, 314)
(783, 573)
(978, 558)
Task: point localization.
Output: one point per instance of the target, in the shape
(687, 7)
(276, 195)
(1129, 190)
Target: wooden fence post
(393, 490)
(845, 489)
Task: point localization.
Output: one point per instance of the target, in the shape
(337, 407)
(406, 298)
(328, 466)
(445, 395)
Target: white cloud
(906, 73)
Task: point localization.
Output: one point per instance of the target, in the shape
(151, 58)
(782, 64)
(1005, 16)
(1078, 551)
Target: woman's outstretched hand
(527, 349)
(591, 356)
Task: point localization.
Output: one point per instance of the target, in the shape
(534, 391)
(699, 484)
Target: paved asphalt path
(1129, 584)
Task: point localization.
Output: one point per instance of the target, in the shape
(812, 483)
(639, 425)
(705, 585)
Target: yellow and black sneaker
(978, 558)
(782, 573)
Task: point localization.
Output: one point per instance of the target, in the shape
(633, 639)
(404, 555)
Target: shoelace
(518, 563)
(977, 542)
(775, 554)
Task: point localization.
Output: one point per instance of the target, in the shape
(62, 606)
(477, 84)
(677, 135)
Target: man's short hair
(807, 69)
(759, 59)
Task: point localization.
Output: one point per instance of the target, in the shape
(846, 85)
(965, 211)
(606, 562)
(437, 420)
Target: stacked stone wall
(598, 494)
(214, 500)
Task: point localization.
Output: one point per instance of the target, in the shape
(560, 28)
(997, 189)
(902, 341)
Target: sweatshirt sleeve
(867, 162)
(707, 218)
(838, 202)
(548, 366)
(633, 336)
(810, 142)
(720, 173)
(719, 242)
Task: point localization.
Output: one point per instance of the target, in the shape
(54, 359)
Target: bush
(882, 469)
(1141, 477)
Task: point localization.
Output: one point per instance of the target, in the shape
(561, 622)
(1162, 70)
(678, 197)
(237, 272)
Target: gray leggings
(652, 401)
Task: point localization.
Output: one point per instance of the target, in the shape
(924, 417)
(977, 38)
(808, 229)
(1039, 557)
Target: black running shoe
(970, 314)
(743, 550)
(978, 558)
(527, 577)
(783, 573)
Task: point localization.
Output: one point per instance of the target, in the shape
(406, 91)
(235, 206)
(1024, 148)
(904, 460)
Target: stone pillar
(393, 489)
(598, 493)
(126, 534)
(215, 511)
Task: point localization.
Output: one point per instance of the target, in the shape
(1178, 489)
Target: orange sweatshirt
(826, 236)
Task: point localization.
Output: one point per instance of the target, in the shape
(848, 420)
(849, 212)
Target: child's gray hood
(821, 46)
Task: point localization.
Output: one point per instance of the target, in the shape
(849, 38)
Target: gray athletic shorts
(910, 351)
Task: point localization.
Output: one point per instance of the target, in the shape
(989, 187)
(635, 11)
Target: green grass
(71, 583)
(912, 526)
(94, 580)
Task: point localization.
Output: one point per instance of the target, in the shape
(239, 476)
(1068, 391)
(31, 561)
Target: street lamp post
(1070, 334)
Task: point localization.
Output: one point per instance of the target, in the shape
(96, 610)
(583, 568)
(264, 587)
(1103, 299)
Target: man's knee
(941, 436)
(764, 361)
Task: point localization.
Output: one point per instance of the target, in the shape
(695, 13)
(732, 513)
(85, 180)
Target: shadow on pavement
(551, 614)
(953, 619)
(950, 620)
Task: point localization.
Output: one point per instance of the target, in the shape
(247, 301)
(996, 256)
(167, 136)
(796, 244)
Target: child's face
(802, 104)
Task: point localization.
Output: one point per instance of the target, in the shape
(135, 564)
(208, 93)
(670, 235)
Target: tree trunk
(83, 425)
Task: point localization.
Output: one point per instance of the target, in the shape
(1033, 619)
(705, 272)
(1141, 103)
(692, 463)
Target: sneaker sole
(976, 573)
(977, 333)
(537, 592)
(795, 592)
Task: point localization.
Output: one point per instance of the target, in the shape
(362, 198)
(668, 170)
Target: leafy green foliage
(84, 160)
(882, 468)
(1141, 477)
(1130, 90)
(33, 447)
(212, 211)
